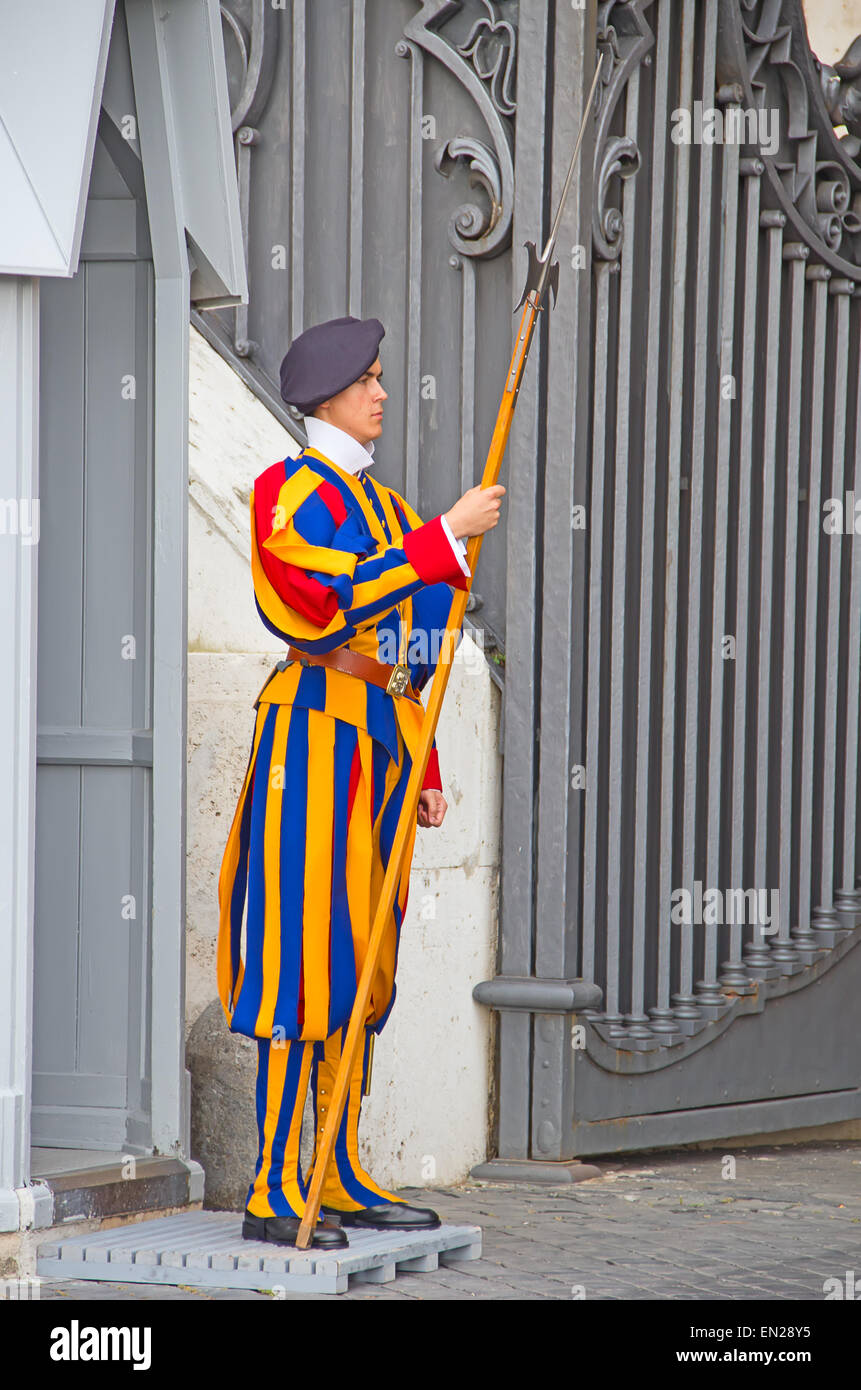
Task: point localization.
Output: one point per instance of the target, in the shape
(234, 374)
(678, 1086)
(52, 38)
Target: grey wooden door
(94, 748)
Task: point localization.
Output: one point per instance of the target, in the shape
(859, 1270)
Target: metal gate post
(533, 991)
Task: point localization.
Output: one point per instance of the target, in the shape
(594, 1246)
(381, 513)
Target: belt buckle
(398, 680)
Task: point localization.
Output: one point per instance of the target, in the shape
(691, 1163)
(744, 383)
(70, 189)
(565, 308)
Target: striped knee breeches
(284, 1070)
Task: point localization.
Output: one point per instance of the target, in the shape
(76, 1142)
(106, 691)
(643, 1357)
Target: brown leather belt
(353, 664)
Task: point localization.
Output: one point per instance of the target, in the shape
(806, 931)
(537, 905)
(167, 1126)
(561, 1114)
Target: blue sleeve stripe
(376, 565)
(341, 583)
(368, 610)
(314, 521)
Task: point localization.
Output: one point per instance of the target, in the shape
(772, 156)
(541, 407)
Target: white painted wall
(427, 1116)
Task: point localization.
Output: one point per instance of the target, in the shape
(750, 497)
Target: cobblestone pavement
(653, 1226)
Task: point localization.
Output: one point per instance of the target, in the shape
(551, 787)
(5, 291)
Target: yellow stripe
(281, 689)
(346, 695)
(295, 1135)
(334, 1191)
(289, 1184)
(272, 875)
(360, 853)
(318, 873)
(290, 546)
(385, 976)
(293, 492)
(410, 717)
(375, 526)
(225, 982)
(375, 590)
(259, 1202)
(412, 516)
(365, 642)
(280, 614)
(388, 509)
(346, 698)
(406, 617)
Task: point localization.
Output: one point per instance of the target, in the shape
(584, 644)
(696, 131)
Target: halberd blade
(540, 272)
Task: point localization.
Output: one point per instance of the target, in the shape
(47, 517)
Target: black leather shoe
(388, 1216)
(283, 1230)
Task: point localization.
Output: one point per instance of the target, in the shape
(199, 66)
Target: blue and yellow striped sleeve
(319, 575)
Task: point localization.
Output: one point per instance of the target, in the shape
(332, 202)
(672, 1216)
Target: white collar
(338, 446)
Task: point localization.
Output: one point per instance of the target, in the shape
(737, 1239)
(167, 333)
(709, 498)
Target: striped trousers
(309, 845)
(283, 1074)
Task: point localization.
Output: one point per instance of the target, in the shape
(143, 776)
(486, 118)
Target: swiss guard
(347, 574)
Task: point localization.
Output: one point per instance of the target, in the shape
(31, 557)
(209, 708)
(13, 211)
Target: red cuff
(431, 556)
(433, 781)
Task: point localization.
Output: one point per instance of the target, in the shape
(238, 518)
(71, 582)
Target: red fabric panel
(431, 556)
(432, 777)
(315, 601)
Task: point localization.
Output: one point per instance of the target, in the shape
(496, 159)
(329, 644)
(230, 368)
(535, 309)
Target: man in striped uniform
(344, 571)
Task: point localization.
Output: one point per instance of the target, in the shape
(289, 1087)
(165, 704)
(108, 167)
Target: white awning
(59, 64)
(52, 69)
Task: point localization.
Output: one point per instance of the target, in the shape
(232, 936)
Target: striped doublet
(337, 561)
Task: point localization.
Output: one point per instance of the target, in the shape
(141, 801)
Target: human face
(358, 410)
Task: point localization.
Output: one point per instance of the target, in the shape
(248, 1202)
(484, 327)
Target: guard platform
(205, 1249)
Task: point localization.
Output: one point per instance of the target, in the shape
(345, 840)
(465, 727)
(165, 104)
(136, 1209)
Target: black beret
(327, 359)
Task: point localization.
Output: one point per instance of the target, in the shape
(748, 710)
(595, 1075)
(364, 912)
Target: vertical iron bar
(357, 156)
(523, 603)
(784, 953)
(468, 358)
(617, 791)
(644, 791)
(412, 289)
(665, 1017)
(687, 1008)
(825, 918)
(819, 275)
(603, 271)
(709, 995)
(848, 896)
(297, 182)
(757, 953)
(734, 976)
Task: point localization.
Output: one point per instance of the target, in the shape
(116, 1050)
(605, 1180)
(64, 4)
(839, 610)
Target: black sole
(347, 1218)
(250, 1233)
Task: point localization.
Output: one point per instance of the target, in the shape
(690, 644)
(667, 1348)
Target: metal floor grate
(206, 1249)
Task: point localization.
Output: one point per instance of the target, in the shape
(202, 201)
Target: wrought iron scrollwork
(256, 51)
(624, 38)
(484, 63)
(841, 92)
(492, 47)
(470, 222)
(252, 35)
(814, 176)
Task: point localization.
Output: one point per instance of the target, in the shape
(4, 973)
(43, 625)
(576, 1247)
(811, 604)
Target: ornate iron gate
(715, 713)
(681, 624)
